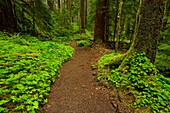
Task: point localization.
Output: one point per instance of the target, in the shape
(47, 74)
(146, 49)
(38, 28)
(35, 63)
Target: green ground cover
(139, 77)
(28, 66)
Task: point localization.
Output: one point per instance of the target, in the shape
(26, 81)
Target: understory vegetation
(37, 44)
(140, 78)
(163, 57)
(28, 67)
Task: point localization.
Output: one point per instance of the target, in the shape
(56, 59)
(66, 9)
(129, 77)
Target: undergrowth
(84, 39)
(141, 78)
(163, 58)
(27, 69)
(84, 43)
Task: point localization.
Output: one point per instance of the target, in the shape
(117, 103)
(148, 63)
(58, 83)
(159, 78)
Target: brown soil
(77, 91)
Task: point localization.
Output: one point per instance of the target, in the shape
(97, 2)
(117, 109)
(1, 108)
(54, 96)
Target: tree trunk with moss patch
(148, 31)
(119, 16)
(166, 15)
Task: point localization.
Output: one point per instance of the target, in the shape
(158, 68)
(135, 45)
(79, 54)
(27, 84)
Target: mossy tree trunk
(115, 19)
(166, 15)
(119, 25)
(148, 31)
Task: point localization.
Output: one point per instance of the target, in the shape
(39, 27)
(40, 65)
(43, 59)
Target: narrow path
(76, 91)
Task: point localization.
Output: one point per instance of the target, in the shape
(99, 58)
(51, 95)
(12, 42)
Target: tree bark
(7, 16)
(82, 16)
(51, 4)
(127, 29)
(115, 19)
(107, 21)
(119, 25)
(70, 10)
(100, 22)
(166, 15)
(148, 31)
(59, 4)
(86, 7)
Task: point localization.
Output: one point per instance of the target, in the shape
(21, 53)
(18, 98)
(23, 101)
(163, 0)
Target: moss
(110, 60)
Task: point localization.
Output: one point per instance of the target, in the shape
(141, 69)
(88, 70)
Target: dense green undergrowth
(163, 57)
(28, 66)
(84, 39)
(84, 43)
(139, 77)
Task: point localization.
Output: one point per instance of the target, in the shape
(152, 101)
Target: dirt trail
(76, 91)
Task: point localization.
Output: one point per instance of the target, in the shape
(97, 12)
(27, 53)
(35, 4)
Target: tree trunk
(82, 16)
(127, 29)
(51, 4)
(148, 31)
(59, 4)
(33, 17)
(86, 7)
(107, 21)
(70, 10)
(166, 15)
(100, 22)
(115, 19)
(7, 16)
(119, 25)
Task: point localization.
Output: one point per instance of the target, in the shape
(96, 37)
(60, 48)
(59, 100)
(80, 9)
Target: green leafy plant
(163, 58)
(28, 67)
(150, 89)
(84, 43)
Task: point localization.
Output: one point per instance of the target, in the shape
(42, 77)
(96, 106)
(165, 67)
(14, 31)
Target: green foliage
(82, 36)
(75, 28)
(28, 66)
(91, 14)
(84, 39)
(35, 17)
(105, 64)
(84, 43)
(163, 58)
(139, 76)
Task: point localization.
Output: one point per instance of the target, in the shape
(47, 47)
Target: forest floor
(77, 91)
